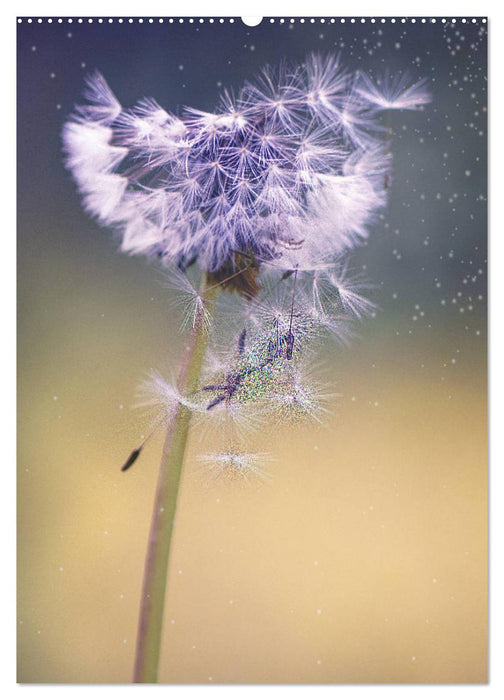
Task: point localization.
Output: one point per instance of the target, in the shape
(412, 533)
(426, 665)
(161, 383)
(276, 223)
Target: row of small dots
(231, 20)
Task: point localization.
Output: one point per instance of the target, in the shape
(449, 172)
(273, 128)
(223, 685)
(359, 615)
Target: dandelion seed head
(288, 168)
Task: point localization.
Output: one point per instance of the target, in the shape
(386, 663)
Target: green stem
(163, 518)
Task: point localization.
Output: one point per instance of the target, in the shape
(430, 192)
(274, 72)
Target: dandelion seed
(394, 93)
(132, 458)
(298, 398)
(234, 419)
(161, 397)
(188, 298)
(158, 393)
(348, 288)
(236, 466)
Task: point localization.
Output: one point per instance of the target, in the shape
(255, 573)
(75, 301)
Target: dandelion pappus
(232, 381)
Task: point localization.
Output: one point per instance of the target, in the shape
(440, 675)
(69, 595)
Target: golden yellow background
(363, 560)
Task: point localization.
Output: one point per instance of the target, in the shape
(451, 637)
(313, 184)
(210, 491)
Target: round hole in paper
(251, 21)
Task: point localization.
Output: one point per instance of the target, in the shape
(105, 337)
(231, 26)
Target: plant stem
(165, 504)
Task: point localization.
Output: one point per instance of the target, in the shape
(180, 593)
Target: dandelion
(277, 168)
(266, 197)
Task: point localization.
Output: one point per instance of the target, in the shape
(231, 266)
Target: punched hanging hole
(251, 21)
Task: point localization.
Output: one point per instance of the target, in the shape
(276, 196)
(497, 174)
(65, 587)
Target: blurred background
(364, 558)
